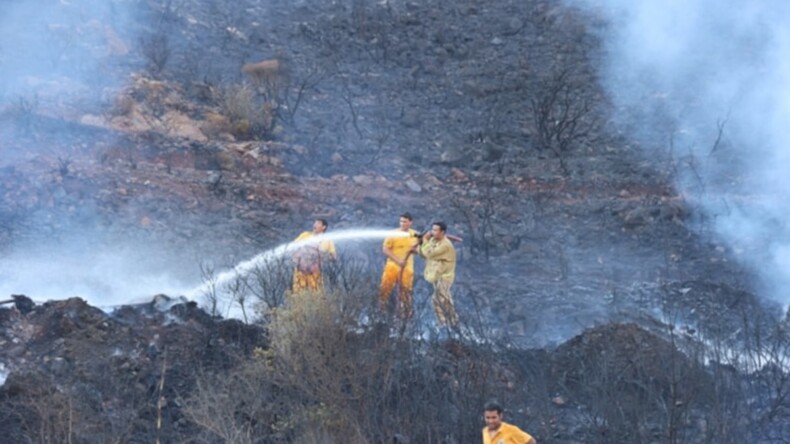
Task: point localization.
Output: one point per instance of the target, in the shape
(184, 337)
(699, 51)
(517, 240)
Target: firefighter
(497, 431)
(399, 267)
(308, 258)
(439, 255)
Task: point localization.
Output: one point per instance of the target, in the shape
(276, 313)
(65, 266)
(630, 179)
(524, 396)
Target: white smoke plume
(704, 86)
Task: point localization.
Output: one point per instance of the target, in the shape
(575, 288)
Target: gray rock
(513, 26)
(414, 186)
(410, 119)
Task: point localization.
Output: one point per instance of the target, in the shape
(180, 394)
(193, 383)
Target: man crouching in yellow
(399, 268)
(307, 274)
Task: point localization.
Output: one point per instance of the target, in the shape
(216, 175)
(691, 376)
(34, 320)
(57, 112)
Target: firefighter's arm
(436, 249)
(423, 249)
(326, 249)
(524, 437)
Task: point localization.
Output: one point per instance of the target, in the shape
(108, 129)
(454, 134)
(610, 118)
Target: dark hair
(442, 226)
(493, 406)
(406, 215)
(323, 222)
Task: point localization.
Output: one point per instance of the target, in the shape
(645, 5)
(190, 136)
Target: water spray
(280, 251)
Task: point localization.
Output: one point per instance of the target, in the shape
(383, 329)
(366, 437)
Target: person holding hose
(399, 267)
(439, 255)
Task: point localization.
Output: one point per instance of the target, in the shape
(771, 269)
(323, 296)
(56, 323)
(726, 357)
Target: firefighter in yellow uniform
(439, 255)
(307, 274)
(399, 267)
(497, 431)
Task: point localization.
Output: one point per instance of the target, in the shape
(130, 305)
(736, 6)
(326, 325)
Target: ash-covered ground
(143, 151)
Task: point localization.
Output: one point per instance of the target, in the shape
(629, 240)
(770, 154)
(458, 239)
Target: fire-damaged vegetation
(595, 302)
(166, 371)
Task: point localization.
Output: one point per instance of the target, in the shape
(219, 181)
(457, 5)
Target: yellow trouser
(404, 277)
(443, 303)
(307, 281)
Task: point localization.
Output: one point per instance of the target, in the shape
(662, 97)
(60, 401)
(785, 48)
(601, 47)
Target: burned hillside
(148, 146)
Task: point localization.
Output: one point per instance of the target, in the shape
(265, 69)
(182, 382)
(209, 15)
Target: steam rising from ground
(105, 275)
(56, 57)
(704, 86)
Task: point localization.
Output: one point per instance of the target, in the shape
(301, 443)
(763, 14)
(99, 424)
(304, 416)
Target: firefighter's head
(405, 221)
(438, 230)
(492, 413)
(320, 226)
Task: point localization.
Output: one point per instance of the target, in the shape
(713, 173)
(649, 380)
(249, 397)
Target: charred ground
(487, 116)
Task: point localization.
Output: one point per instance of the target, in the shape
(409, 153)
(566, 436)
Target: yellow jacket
(308, 257)
(507, 434)
(400, 246)
(439, 260)
(325, 246)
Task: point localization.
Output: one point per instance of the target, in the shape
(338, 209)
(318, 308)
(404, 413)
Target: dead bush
(327, 378)
(757, 407)
(22, 112)
(267, 76)
(215, 124)
(233, 407)
(156, 50)
(46, 416)
(564, 111)
(247, 117)
(337, 370)
(282, 89)
(268, 284)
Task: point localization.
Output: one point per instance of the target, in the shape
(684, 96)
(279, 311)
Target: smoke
(703, 86)
(105, 275)
(60, 60)
(61, 50)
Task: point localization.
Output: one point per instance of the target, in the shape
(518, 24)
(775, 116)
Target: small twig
(720, 132)
(71, 421)
(347, 98)
(161, 400)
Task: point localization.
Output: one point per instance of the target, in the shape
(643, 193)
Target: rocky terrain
(598, 302)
